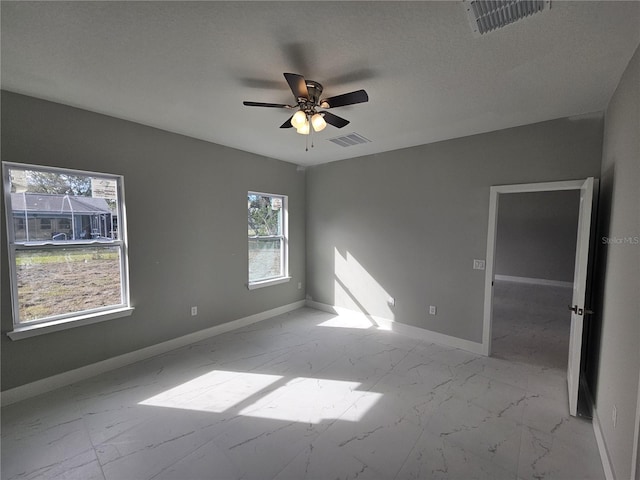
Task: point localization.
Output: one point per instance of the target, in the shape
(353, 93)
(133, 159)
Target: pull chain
(311, 133)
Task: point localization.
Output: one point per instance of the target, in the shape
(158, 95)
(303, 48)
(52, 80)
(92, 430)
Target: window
(268, 262)
(69, 268)
(64, 224)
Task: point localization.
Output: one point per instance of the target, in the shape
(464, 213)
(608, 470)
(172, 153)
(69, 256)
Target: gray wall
(536, 235)
(186, 207)
(618, 310)
(409, 223)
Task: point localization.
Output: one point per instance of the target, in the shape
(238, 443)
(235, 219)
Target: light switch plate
(478, 264)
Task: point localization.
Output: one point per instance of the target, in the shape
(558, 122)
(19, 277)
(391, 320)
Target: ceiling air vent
(488, 15)
(349, 140)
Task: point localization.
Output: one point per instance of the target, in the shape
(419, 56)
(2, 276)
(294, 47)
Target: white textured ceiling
(186, 67)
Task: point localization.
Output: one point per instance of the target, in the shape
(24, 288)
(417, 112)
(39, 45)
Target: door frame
(494, 196)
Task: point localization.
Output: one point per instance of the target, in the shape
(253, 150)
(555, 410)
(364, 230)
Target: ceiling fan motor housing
(315, 90)
(308, 105)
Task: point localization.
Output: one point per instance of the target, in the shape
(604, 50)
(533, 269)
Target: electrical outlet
(432, 309)
(299, 285)
(391, 301)
(194, 311)
(478, 264)
(614, 416)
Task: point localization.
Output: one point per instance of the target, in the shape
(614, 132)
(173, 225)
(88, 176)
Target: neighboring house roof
(55, 203)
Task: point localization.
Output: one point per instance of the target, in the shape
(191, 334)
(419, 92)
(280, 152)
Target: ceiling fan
(307, 94)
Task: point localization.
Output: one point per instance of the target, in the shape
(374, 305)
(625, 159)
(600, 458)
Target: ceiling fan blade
(287, 124)
(334, 120)
(298, 85)
(351, 98)
(261, 104)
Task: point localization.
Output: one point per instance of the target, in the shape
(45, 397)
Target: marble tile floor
(531, 323)
(306, 395)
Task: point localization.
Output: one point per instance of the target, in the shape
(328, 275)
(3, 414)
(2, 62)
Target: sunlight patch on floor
(300, 399)
(216, 391)
(312, 400)
(348, 321)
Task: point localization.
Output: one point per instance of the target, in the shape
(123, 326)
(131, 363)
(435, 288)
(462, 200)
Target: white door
(579, 289)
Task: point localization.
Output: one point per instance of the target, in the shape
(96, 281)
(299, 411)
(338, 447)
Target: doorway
(581, 249)
(533, 277)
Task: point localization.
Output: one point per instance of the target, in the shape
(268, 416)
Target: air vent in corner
(349, 140)
(488, 15)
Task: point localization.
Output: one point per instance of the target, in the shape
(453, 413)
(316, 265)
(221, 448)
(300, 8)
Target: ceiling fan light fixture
(318, 122)
(299, 119)
(304, 129)
(306, 119)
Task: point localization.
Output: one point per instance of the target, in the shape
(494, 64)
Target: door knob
(580, 311)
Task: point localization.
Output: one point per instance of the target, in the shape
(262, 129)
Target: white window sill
(26, 331)
(268, 283)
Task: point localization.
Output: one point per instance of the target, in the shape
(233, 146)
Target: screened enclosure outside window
(67, 249)
(267, 230)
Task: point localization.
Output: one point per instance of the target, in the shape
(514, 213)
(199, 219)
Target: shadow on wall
(356, 289)
(593, 330)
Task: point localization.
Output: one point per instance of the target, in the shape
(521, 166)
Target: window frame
(284, 248)
(72, 319)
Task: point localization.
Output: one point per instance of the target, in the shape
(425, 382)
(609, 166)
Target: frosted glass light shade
(304, 129)
(299, 119)
(318, 122)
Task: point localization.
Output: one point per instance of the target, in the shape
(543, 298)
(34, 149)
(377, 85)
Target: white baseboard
(602, 446)
(404, 329)
(534, 281)
(72, 376)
